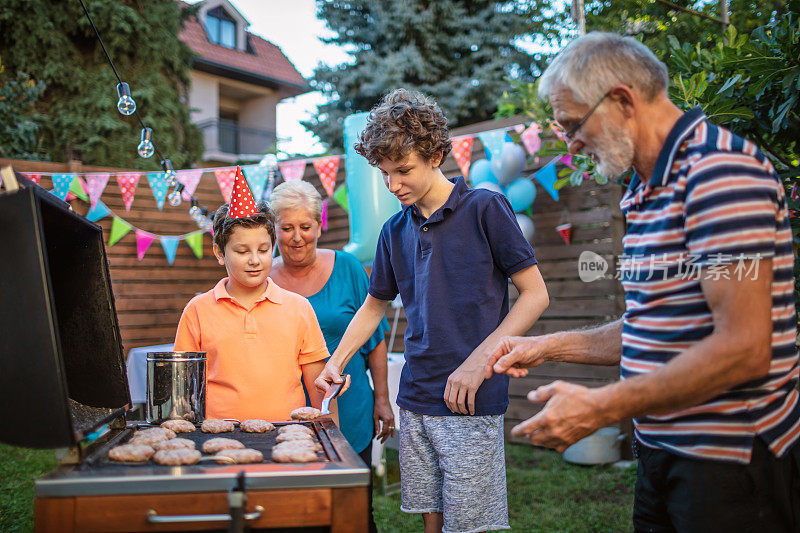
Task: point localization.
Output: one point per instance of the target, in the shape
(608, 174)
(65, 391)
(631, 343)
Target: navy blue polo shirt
(451, 271)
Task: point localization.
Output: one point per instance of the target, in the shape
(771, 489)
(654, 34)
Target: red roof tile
(267, 60)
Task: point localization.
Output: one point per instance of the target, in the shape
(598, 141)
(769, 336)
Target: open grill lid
(62, 372)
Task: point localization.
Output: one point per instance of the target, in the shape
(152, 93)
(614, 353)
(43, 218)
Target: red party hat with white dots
(242, 204)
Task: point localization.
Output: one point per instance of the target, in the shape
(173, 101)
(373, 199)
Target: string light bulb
(145, 147)
(125, 104)
(169, 174)
(175, 198)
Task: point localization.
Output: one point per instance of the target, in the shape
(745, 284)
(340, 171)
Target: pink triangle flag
(462, 152)
(127, 185)
(190, 179)
(36, 178)
(530, 138)
(143, 242)
(327, 168)
(225, 177)
(293, 170)
(95, 185)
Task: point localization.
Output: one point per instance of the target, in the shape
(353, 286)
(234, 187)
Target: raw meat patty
(151, 436)
(174, 444)
(308, 443)
(131, 453)
(293, 435)
(256, 426)
(305, 413)
(176, 457)
(214, 445)
(246, 455)
(216, 426)
(179, 426)
(297, 428)
(289, 452)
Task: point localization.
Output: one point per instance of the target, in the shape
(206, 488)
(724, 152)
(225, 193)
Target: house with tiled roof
(237, 80)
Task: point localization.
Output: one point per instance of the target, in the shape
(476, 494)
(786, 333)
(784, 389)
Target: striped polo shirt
(714, 200)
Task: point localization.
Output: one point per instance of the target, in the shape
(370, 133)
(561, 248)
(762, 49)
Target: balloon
(521, 193)
(480, 172)
(489, 186)
(526, 225)
(509, 164)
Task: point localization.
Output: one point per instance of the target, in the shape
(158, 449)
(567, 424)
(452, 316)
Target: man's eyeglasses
(569, 134)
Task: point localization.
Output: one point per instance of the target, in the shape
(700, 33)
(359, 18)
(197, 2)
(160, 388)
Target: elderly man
(706, 346)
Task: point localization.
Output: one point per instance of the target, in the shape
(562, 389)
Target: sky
(293, 26)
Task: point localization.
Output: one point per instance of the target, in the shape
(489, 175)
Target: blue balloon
(481, 171)
(521, 194)
(509, 164)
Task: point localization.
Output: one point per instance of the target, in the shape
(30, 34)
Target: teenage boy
(449, 253)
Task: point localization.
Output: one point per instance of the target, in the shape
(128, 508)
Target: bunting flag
(95, 185)
(530, 138)
(225, 177)
(519, 128)
(324, 214)
(143, 242)
(77, 189)
(565, 230)
(36, 178)
(340, 195)
(256, 176)
(558, 132)
(127, 185)
(547, 177)
(195, 242)
(493, 142)
(327, 168)
(292, 170)
(190, 179)
(99, 211)
(159, 187)
(170, 246)
(462, 152)
(61, 184)
(119, 228)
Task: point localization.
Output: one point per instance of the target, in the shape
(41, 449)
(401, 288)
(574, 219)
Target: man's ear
(626, 98)
(218, 253)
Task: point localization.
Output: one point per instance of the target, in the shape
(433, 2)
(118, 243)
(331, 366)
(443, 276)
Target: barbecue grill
(63, 385)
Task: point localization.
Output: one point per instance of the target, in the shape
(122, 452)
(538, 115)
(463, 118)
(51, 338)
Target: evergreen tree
(461, 52)
(55, 44)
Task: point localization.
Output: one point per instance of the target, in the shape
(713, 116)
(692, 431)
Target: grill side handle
(154, 518)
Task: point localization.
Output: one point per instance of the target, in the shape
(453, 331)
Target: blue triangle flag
(493, 141)
(61, 184)
(99, 211)
(256, 177)
(159, 187)
(170, 245)
(547, 177)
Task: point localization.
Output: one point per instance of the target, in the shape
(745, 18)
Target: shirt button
(425, 228)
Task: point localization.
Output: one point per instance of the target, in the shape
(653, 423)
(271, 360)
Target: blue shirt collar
(459, 188)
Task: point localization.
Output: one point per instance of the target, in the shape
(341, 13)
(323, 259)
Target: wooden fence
(150, 294)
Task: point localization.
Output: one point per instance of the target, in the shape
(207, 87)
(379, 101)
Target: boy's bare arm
(462, 385)
(358, 332)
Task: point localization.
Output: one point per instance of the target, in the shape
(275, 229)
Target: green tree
(56, 45)
(461, 52)
(19, 122)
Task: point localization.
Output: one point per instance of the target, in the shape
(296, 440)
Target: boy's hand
(462, 385)
(330, 375)
(383, 418)
(514, 355)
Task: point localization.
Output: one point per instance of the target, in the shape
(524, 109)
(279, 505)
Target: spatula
(333, 391)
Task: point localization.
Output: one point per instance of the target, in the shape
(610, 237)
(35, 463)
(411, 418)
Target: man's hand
(514, 355)
(572, 412)
(330, 375)
(383, 418)
(462, 385)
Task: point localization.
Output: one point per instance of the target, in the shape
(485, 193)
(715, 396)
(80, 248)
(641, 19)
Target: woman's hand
(383, 418)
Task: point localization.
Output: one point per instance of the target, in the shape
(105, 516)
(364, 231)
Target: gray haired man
(707, 354)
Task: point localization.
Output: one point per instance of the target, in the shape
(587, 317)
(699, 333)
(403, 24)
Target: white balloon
(509, 164)
(489, 186)
(526, 225)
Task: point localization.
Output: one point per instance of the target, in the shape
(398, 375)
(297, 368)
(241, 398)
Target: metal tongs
(333, 391)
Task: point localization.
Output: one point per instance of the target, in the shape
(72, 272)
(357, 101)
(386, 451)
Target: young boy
(449, 253)
(259, 339)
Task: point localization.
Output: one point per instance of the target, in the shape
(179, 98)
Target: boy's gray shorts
(454, 465)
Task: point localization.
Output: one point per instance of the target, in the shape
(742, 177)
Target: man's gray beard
(614, 151)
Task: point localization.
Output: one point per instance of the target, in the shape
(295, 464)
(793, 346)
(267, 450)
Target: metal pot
(176, 386)
(602, 446)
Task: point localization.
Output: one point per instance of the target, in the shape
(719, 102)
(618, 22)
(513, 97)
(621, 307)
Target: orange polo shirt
(253, 357)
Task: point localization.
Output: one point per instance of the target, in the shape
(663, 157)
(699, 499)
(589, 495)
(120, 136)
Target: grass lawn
(545, 494)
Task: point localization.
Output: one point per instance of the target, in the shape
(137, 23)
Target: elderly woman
(336, 285)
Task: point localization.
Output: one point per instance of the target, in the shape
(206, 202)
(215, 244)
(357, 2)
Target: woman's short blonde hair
(296, 194)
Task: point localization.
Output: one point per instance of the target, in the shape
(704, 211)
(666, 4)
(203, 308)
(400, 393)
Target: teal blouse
(335, 304)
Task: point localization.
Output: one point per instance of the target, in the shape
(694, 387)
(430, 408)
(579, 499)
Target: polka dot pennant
(256, 176)
(225, 178)
(327, 168)
(462, 152)
(493, 141)
(159, 187)
(530, 138)
(293, 170)
(241, 204)
(127, 185)
(36, 178)
(190, 179)
(95, 185)
(61, 184)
